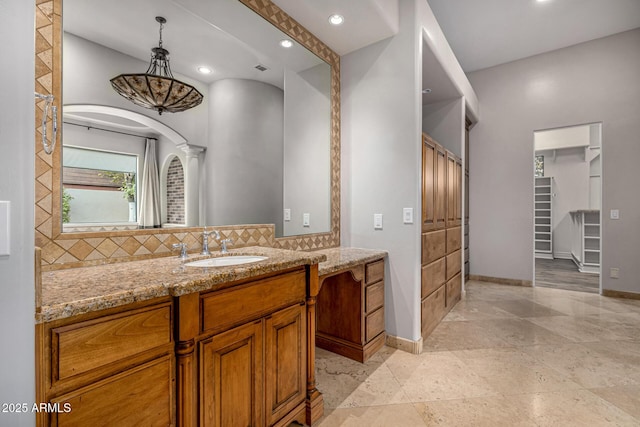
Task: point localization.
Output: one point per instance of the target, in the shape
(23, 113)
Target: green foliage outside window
(66, 206)
(126, 181)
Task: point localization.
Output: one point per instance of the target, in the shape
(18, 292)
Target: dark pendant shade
(157, 89)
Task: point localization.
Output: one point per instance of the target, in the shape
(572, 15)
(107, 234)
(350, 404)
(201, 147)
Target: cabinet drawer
(136, 397)
(433, 246)
(374, 324)
(433, 276)
(84, 346)
(454, 291)
(433, 309)
(374, 271)
(374, 296)
(229, 307)
(453, 239)
(453, 264)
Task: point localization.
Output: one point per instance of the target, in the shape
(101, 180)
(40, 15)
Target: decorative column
(191, 184)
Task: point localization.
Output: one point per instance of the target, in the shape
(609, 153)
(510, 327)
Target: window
(98, 186)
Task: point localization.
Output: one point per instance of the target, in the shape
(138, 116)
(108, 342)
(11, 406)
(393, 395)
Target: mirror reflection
(255, 151)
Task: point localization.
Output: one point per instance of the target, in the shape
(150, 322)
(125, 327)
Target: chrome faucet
(223, 245)
(205, 240)
(183, 250)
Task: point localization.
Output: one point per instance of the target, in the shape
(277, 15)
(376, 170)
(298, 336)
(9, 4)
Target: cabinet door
(139, 396)
(285, 361)
(454, 191)
(458, 191)
(429, 151)
(231, 378)
(441, 188)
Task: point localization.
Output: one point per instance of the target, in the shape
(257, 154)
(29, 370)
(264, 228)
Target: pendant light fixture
(157, 89)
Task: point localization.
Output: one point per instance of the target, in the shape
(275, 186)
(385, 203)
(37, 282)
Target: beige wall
(592, 82)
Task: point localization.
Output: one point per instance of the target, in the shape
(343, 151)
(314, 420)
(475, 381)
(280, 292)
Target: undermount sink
(226, 261)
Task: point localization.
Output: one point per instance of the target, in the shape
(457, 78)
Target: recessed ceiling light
(427, 90)
(336, 19)
(205, 70)
(286, 43)
(542, 1)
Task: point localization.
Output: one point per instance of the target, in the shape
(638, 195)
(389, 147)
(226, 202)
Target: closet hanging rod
(48, 103)
(89, 127)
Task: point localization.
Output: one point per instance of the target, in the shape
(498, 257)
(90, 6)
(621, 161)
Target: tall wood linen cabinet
(441, 232)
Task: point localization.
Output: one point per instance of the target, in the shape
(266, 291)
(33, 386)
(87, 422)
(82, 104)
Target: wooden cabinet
(434, 182)
(252, 357)
(240, 355)
(454, 191)
(351, 311)
(285, 362)
(115, 367)
(441, 233)
(138, 396)
(231, 373)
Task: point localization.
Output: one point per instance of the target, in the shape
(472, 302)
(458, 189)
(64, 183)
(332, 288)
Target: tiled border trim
(272, 13)
(64, 250)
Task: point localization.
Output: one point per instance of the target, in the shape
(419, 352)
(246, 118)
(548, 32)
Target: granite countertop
(74, 291)
(339, 259)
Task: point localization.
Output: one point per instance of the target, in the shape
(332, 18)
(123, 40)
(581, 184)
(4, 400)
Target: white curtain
(150, 188)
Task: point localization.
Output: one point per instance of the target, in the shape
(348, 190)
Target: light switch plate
(287, 214)
(407, 215)
(377, 221)
(615, 214)
(5, 237)
(306, 219)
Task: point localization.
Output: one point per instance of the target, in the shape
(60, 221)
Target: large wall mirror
(257, 150)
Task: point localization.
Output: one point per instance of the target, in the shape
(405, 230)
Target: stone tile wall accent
(65, 250)
(175, 192)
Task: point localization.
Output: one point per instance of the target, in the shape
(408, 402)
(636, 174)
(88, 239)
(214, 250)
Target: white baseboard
(563, 255)
(413, 347)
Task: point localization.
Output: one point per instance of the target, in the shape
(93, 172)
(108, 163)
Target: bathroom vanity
(351, 302)
(154, 342)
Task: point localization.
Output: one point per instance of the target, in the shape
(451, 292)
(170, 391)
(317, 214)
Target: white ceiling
(365, 21)
(482, 33)
(491, 32)
(221, 34)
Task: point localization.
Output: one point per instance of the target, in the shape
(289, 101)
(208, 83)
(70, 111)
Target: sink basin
(226, 261)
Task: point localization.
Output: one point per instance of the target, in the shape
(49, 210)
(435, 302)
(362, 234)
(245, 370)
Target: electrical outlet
(287, 214)
(614, 272)
(407, 215)
(615, 214)
(306, 220)
(377, 221)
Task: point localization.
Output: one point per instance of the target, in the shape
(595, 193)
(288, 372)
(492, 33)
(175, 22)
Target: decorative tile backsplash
(83, 249)
(65, 250)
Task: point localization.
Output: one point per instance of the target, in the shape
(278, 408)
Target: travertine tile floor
(504, 356)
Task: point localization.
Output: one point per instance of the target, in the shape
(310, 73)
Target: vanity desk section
(153, 343)
(350, 305)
